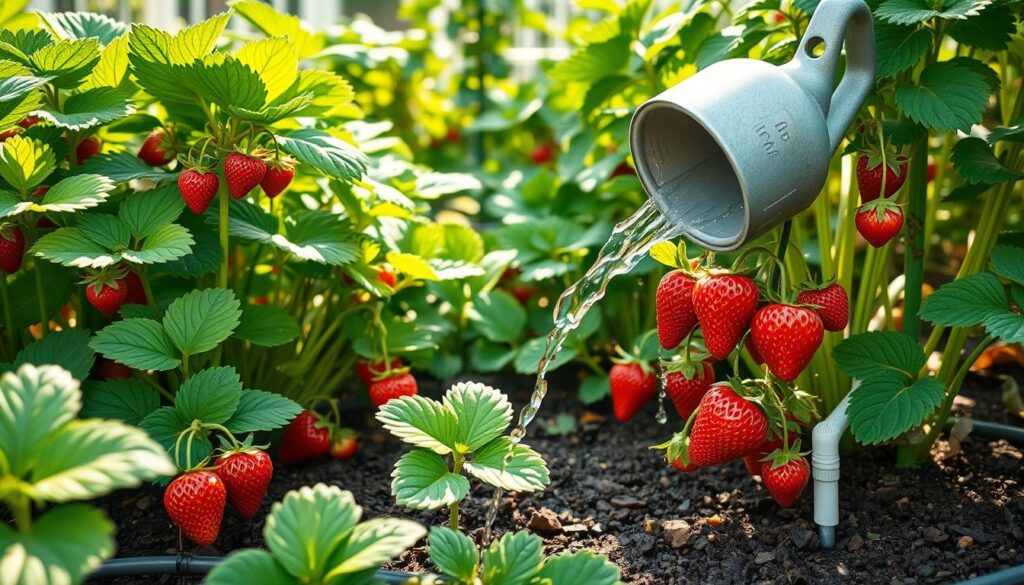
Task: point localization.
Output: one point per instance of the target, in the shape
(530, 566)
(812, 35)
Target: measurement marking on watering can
(771, 135)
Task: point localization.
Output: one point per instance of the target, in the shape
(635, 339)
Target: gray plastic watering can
(743, 145)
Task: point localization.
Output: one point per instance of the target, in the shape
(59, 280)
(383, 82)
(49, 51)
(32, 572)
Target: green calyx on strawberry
(879, 221)
(106, 289)
(677, 452)
(785, 473)
(870, 166)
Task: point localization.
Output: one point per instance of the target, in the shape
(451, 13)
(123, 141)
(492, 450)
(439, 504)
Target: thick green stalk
(224, 198)
(453, 508)
(913, 262)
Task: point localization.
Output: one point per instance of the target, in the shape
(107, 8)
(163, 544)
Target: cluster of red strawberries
(196, 499)
(752, 419)
(109, 288)
(880, 174)
(386, 380)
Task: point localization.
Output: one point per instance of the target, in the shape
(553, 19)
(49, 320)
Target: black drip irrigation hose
(186, 565)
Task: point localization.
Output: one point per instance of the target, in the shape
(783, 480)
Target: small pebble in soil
(677, 532)
(856, 543)
(933, 534)
(965, 542)
(544, 520)
(764, 557)
(628, 502)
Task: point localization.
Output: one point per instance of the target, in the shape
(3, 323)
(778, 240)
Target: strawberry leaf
(965, 302)
(899, 48)
(594, 388)
(63, 545)
(26, 162)
(144, 213)
(421, 422)
(370, 545)
(129, 401)
(68, 349)
(90, 108)
(948, 96)
(266, 325)
(137, 343)
(305, 529)
(514, 558)
(120, 167)
(209, 395)
(915, 11)
(71, 247)
(867, 353)
(454, 553)
(498, 316)
(886, 405)
(975, 161)
(522, 471)
(579, 568)
(991, 30)
(422, 482)
(1008, 262)
(325, 153)
(481, 412)
(261, 411)
(250, 566)
(68, 62)
(166, 243)
(199, 320)
(76, 193)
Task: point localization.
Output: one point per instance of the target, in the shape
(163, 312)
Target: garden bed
(613, 495)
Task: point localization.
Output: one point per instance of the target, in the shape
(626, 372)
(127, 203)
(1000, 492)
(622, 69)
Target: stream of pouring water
(629, 243)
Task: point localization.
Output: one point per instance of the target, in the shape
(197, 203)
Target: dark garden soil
(949, 520)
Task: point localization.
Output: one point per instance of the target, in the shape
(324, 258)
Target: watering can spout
(744, 145)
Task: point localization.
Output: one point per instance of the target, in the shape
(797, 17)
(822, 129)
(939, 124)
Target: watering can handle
(834, 20)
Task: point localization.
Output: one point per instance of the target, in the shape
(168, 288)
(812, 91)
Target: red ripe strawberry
(28, 122)
(387, 277)
(198, 189)
(623, 170)
(833, 303)
(12, 248)
(631, 387)
(678, 464)
(724, 304)
(136, 291)
(541, 154)
(246, 475)
(279, 175)
(787, 337)
(686, 393)
(344, 446)
(304, 439)
(87, 149)
(869, 175)
(453, 135)
(878, 225)
(8, 134)
(785, 482)
(243, 173)
(727, 427)
(367, 371)
(195, 502)
(393, 387)
(106, 369)
(754, 460)
(522, 293)
(674, 308)
(155, 150)
(107, 292)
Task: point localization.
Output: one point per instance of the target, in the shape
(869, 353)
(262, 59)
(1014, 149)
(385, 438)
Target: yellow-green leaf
(411, 265)
(25, 162)
(276, 62)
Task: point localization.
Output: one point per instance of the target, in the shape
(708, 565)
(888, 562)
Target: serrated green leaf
(411, 265)
(121, 167)
(991, 30)
(307, 526)
(34, 401)
(266, 325)
(83, 25)
(106, 230)
(513, 559)
(198, 40)
(249, 566)
(523, 471)
(867, 353)
(373, 543)
(273, 23)
(482, 414)
(112, 68)
(965, 302)
(144, 213)
(886, 405)
(205, 255)
(948, 96)
(68, 349)
(126, 400)
(332, 94)
(329, 155)
(224, 80)
(1013, 133)
(62, 546)
(25, 162)
(90, 458)
(10, 204)
(76, 193)
(275, 60)
(453, 553)
(149, 57)
(166, 243)
(320, 236)
(580, 568)
(974, 160)
(899, 48)
(17, 86)
(199, 320)
(68, 62)
(137, 343)
(595, 61)
(1008, 262)
(487, 356)
(421, 422)
(71, 247)
(531, 352)
(915, 11)
(421, 481)
(88, 109)
(1005, 325)
(498, 316)
(210, 395)
(261, 411)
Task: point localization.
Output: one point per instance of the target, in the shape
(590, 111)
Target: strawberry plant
(314, 535)
(52, 459)
(462, 434)
(515, 554)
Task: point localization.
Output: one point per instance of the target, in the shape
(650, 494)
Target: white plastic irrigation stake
(743, 145)
(825, 469)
